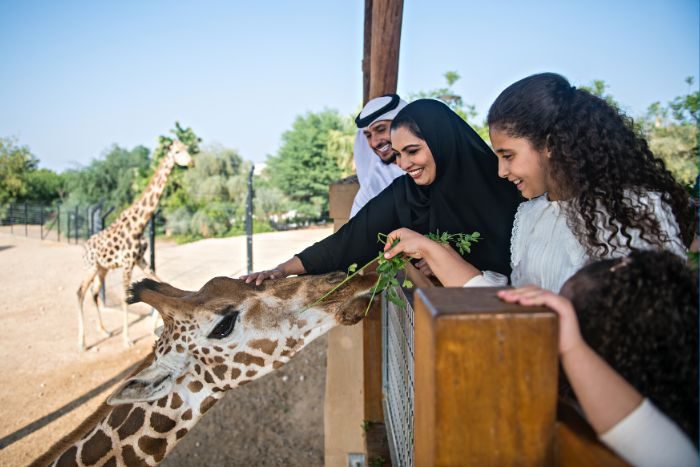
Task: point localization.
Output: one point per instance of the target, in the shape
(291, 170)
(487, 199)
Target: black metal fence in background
(71, 224)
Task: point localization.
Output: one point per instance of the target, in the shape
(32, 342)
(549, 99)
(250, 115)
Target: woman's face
(522, 164)
(413, 156)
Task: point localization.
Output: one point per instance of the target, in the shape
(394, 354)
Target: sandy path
(48, 387)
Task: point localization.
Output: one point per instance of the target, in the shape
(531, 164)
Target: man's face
(379, 139)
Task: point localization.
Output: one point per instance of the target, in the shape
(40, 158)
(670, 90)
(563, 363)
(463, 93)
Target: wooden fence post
(485, 380)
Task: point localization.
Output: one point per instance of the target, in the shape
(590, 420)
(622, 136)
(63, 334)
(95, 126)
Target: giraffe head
(229, 332)
(179, 153)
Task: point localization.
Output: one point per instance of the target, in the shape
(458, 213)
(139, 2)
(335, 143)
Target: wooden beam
(367, 52)
(386, 41)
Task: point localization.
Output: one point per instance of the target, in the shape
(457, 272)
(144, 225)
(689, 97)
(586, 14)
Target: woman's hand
(411, 244)
(261, 276)
(290, 267)
(569, 333)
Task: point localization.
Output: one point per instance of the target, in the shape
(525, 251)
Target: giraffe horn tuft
(134, 295)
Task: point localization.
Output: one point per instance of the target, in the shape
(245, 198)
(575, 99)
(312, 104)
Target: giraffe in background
(223, 336)
(121, 245)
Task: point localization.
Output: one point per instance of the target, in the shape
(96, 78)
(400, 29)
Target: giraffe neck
(144, 433)
(135, 434)
(142, 210)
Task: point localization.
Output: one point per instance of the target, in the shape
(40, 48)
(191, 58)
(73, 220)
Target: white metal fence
(397, 380)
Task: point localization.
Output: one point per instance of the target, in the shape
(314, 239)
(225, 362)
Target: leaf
(352, 268)
(407, 284)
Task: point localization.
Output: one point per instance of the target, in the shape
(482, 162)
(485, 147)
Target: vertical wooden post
(386, 40)
(353, 377)
(367, 52)
(485, 380)
(343, 412)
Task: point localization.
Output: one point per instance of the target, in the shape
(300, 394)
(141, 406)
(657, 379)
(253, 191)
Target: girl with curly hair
(638, 336)
(594, 188)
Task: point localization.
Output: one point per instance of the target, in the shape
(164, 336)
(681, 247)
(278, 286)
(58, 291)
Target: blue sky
(78, 76)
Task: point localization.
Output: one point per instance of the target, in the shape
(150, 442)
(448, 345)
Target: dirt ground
(49, 387)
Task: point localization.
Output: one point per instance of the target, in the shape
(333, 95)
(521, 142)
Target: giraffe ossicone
(121, 245)
(225, 335)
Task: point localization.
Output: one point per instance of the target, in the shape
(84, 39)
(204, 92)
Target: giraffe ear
(150, 384)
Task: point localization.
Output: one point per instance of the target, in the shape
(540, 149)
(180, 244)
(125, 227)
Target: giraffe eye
(225, 326)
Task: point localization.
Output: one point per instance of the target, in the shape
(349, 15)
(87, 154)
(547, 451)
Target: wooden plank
(485, 380)
(372, 351)
(341, 194)
(576, 444)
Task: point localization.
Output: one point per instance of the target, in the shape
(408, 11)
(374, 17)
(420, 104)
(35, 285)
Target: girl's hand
(424, 268)
(411, 244)
(569, 333)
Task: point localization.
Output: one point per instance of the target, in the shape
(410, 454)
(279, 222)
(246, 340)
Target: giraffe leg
(126, 279)
(81, 297)
(150, 273)
(96, 287)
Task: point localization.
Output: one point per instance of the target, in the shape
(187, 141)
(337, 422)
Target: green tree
(173, 196)
(113, 179)
(210, 200)
(305, 164)
(455, 102)
(45, 186)
(598, 87)
(16, 163)
(672, 133)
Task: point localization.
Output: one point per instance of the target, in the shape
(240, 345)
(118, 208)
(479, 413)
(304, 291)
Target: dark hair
(640, 313)
(404, 120)
(597, 160)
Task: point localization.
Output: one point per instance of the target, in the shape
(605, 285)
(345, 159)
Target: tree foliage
(308, 160)
(113, 179)
(16, 162)
(211, 198)
(22, 180)
(672, 133)
(455, 102)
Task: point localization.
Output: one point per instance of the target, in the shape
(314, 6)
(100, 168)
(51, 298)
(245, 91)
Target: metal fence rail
(52, 222)
(397, 380)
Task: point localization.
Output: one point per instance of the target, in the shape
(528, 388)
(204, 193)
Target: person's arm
(445, 263)
(606, 398)
(291, 267)
(355, 242)
(630, 425)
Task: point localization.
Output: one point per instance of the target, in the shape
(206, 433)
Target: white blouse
(545, 252)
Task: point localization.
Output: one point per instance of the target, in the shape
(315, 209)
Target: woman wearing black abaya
(452, 185)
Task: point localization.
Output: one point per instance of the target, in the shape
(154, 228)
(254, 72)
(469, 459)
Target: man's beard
(389, 161)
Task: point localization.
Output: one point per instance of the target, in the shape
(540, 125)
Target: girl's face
(522, 164)
(413, 156)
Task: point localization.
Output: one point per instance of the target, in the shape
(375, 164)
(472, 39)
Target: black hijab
(466, 196)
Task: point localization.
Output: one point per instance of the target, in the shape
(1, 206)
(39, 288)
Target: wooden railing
(485, 388)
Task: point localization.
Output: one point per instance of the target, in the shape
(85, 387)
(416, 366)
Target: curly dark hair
(640, 313)
(598, 161)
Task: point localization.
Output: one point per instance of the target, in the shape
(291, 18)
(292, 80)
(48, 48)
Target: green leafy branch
(387, 269)
(463, 242)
